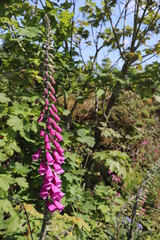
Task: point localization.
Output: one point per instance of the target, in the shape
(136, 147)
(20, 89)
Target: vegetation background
(107, 74)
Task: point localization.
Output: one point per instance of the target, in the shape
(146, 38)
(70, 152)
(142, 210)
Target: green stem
(44, 224)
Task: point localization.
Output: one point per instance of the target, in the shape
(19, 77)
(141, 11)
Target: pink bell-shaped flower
(46, 138)
(49, 174)
(56, 117)
(36, 155)
(42, 133)
(42, 168)
(54, 108)
(49, 158)
(59, 137)
(51, 207)
(52, 132)
(55, 125)
(44, 193)
(57, 168)
(56, 144)
(57, 180)
(59, 205)
(47, 184)
(47, 146)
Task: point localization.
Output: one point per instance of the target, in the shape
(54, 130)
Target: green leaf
(20, 169)
(3, 98)
(82, 132)
(15, 122)
(66, 112)
(3, 184)
(3, 157)
(29, 32)
(26, 136)
(90, 141)
(34, 126)
(104, 208)
(100, 93)
(5, 206)
(21, 181)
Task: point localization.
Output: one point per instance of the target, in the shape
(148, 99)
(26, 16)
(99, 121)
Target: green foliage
(108, 154)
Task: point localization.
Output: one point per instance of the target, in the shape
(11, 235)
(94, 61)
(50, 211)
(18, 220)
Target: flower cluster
(51, 154)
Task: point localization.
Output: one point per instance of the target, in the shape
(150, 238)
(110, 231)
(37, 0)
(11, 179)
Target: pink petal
(51, 207)
(59, 205)
(54, 108)
(55, 125)
(59, 137)
(49, 174)
(42, 168)
(46, 138)
(36, 155)
(42, 133)
(49, 158)
(44, 193)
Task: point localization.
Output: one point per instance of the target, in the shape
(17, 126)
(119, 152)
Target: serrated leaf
(19, 168)
(5, 205)
(90, 141)
(21, 181)
(26, 136)
(15, 122)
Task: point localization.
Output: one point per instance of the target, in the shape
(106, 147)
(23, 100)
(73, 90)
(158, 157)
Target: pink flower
(50, 120)
(49, 158)
(47, 102)
(46, 138)
(49, 174)
(42, 168)
(48, 125)
(52, 97)
(48, 146)
(44, 193)
(57, 168)
(52, 132)
(40, 119)
(51, 111)
(60, 151)
(109, 172)
(59, 137)
(42, 133)
(52, 79)
(59, 205)
(56, 117)
(54, 189)
(56, 144)
(47, 184)
(53, 90)
(56, 156)
(51, 207)
(55, 125)
(36, 155)
(57, 180)
(54, 108)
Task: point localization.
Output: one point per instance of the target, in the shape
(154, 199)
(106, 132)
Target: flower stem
(44, 224)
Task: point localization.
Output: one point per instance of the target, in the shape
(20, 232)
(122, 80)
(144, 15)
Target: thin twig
(27, 220)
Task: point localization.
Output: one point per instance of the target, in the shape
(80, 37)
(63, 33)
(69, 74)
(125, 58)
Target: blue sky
(113, 55)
